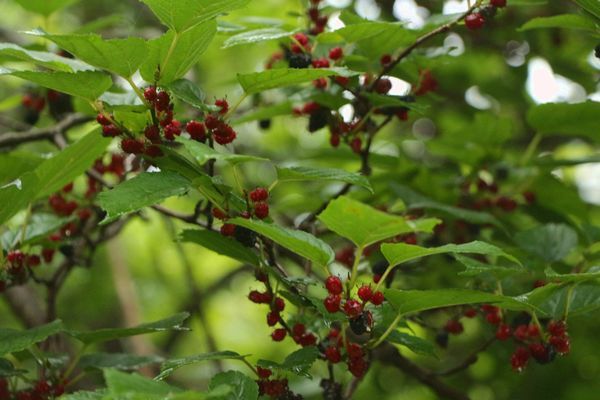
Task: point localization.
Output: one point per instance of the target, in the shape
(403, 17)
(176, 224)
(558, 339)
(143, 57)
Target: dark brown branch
(16, 138)
(25, 304)
(388, 354)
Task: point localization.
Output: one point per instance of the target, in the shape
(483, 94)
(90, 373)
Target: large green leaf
(45, 7)
(202, 153)
(554, 299)
(220, 244)
(414, 343)
(187, 91)
(121, 56)
(168, 367)
(365, 225)
(275, 78)
(13, 340)
(550, 242)
(173, 54)
(180, 15)
(322, 174)
(567, 21)
(579, 119)
(144, 190)
(299, 242)
(52, 174)
(121, 361)
(401, 252)
(477, 268)
(413, 301)
(299, 362)
(87, 84)
(255, 36)
(591, 6)
(103, 335)
(244, 387)
(17, 163)
(121, 383)
(43, 58)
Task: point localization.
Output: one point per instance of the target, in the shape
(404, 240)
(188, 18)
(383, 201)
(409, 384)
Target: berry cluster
(477, 19)
(274, 388)
(257, 206)
(335, 349)
(42, 390)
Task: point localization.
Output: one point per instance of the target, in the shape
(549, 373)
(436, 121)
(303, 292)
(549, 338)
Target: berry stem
(388, 331)
(137, 90)
(235, 106)
(354, 273)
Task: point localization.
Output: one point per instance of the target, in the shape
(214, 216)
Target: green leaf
(146, 189)
(120, 361)
(7, 369)
(39, 226)
(550, 242)
(87, 84)
(174, 54)
(244, 387)
(202, 153)
(299, 362)
(121, 383)
(414, 343)
(591, 6)
(401, 252)
(255, 36)
(477, 268)
(220, 244)
(17, 163)
(275, 78)
(52, 174)
(187, 91)
(552, 194)
(13, 340)
(43, 58)
(299, 242)
(104, 335)
(322, 174)
(591, 274)
(180, 15)
(97, 395)
(578, 119)
(552, 299)
(168, 367)
(413, 301)
(121, 56)
(365, 225)
(45, 7)
(567, 21)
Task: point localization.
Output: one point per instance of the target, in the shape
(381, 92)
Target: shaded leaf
(243, 387)
(168, 367)
(274, 78)
(14, 340)
(550, 242)
(285, 174)
(220, 244)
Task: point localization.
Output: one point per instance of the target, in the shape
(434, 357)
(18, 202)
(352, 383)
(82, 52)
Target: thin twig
(11, 139)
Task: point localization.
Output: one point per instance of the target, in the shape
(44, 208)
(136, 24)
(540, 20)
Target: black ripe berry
(264, 124)
(300, 60)
(245, 236)
(597, 51)
(318, 119)
(379, 267)
(361, 324)
(543, 353)
(488, 12)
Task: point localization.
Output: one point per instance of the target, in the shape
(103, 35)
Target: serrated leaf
(243, 387)
(299, 242)
(567, 21)
(550, 242)
(299, 362)
(173, 54)
(121, 56)
(180, 15)
(44, 58)
(413, 301)
(52, 174)
(102, 335)
(591, 6)
(203, 153)
(476, 268)
(168, 367)
(146, 189)
(45, 7)
(578, 119)
(401, 252)
(187, 91)
(365, 225)
(552, 299)
(256, 36)
(275, 78)
(14, 340)
(220, 244)
(286, 174)
(87, 84)
(120, 361)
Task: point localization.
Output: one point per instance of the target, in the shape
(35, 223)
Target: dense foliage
(344, 205)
